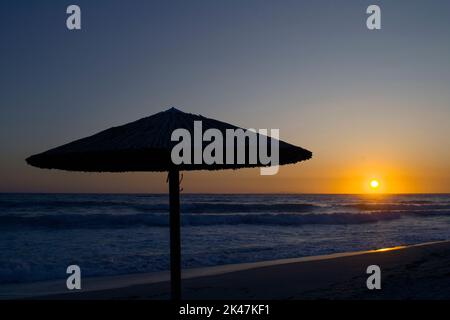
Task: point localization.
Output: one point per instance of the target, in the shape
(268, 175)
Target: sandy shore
(413, 272)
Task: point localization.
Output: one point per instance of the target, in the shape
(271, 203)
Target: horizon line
(228, 193)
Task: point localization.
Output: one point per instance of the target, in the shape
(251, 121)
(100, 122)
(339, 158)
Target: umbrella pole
(175, 239)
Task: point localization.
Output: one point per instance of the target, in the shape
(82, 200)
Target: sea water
(110, 234)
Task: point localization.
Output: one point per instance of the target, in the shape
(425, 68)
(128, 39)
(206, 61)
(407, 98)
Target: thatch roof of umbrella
(145, 145)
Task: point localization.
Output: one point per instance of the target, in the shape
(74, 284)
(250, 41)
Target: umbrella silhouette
(146, 145)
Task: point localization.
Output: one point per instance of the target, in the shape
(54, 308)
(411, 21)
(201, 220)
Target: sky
(368, 104)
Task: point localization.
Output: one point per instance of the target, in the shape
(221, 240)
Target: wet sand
(413, 272)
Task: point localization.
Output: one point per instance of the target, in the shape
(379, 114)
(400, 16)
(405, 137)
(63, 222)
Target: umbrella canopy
(145, 145)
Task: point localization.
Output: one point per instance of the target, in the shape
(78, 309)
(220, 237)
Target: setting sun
(374, 184)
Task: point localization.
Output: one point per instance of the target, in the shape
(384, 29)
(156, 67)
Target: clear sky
(369, 104)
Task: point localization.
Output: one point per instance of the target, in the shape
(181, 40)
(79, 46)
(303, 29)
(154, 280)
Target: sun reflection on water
(389, 249)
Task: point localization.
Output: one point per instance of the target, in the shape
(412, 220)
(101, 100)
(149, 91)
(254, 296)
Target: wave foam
(93, 221)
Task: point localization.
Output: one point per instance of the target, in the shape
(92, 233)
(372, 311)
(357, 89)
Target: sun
(374, 184)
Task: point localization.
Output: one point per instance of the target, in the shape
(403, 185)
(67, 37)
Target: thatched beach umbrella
(145, 145)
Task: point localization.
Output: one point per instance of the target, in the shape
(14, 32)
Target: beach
(411, 272)
(167, 151)
(233, 246)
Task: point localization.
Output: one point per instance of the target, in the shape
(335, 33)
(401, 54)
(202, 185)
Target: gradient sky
(369, 104)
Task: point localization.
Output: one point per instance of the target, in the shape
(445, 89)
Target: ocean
(111, 234)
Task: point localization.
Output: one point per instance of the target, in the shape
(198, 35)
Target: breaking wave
(123, 206)
(93, 221)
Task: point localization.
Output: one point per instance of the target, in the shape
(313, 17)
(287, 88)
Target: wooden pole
(175, 238)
